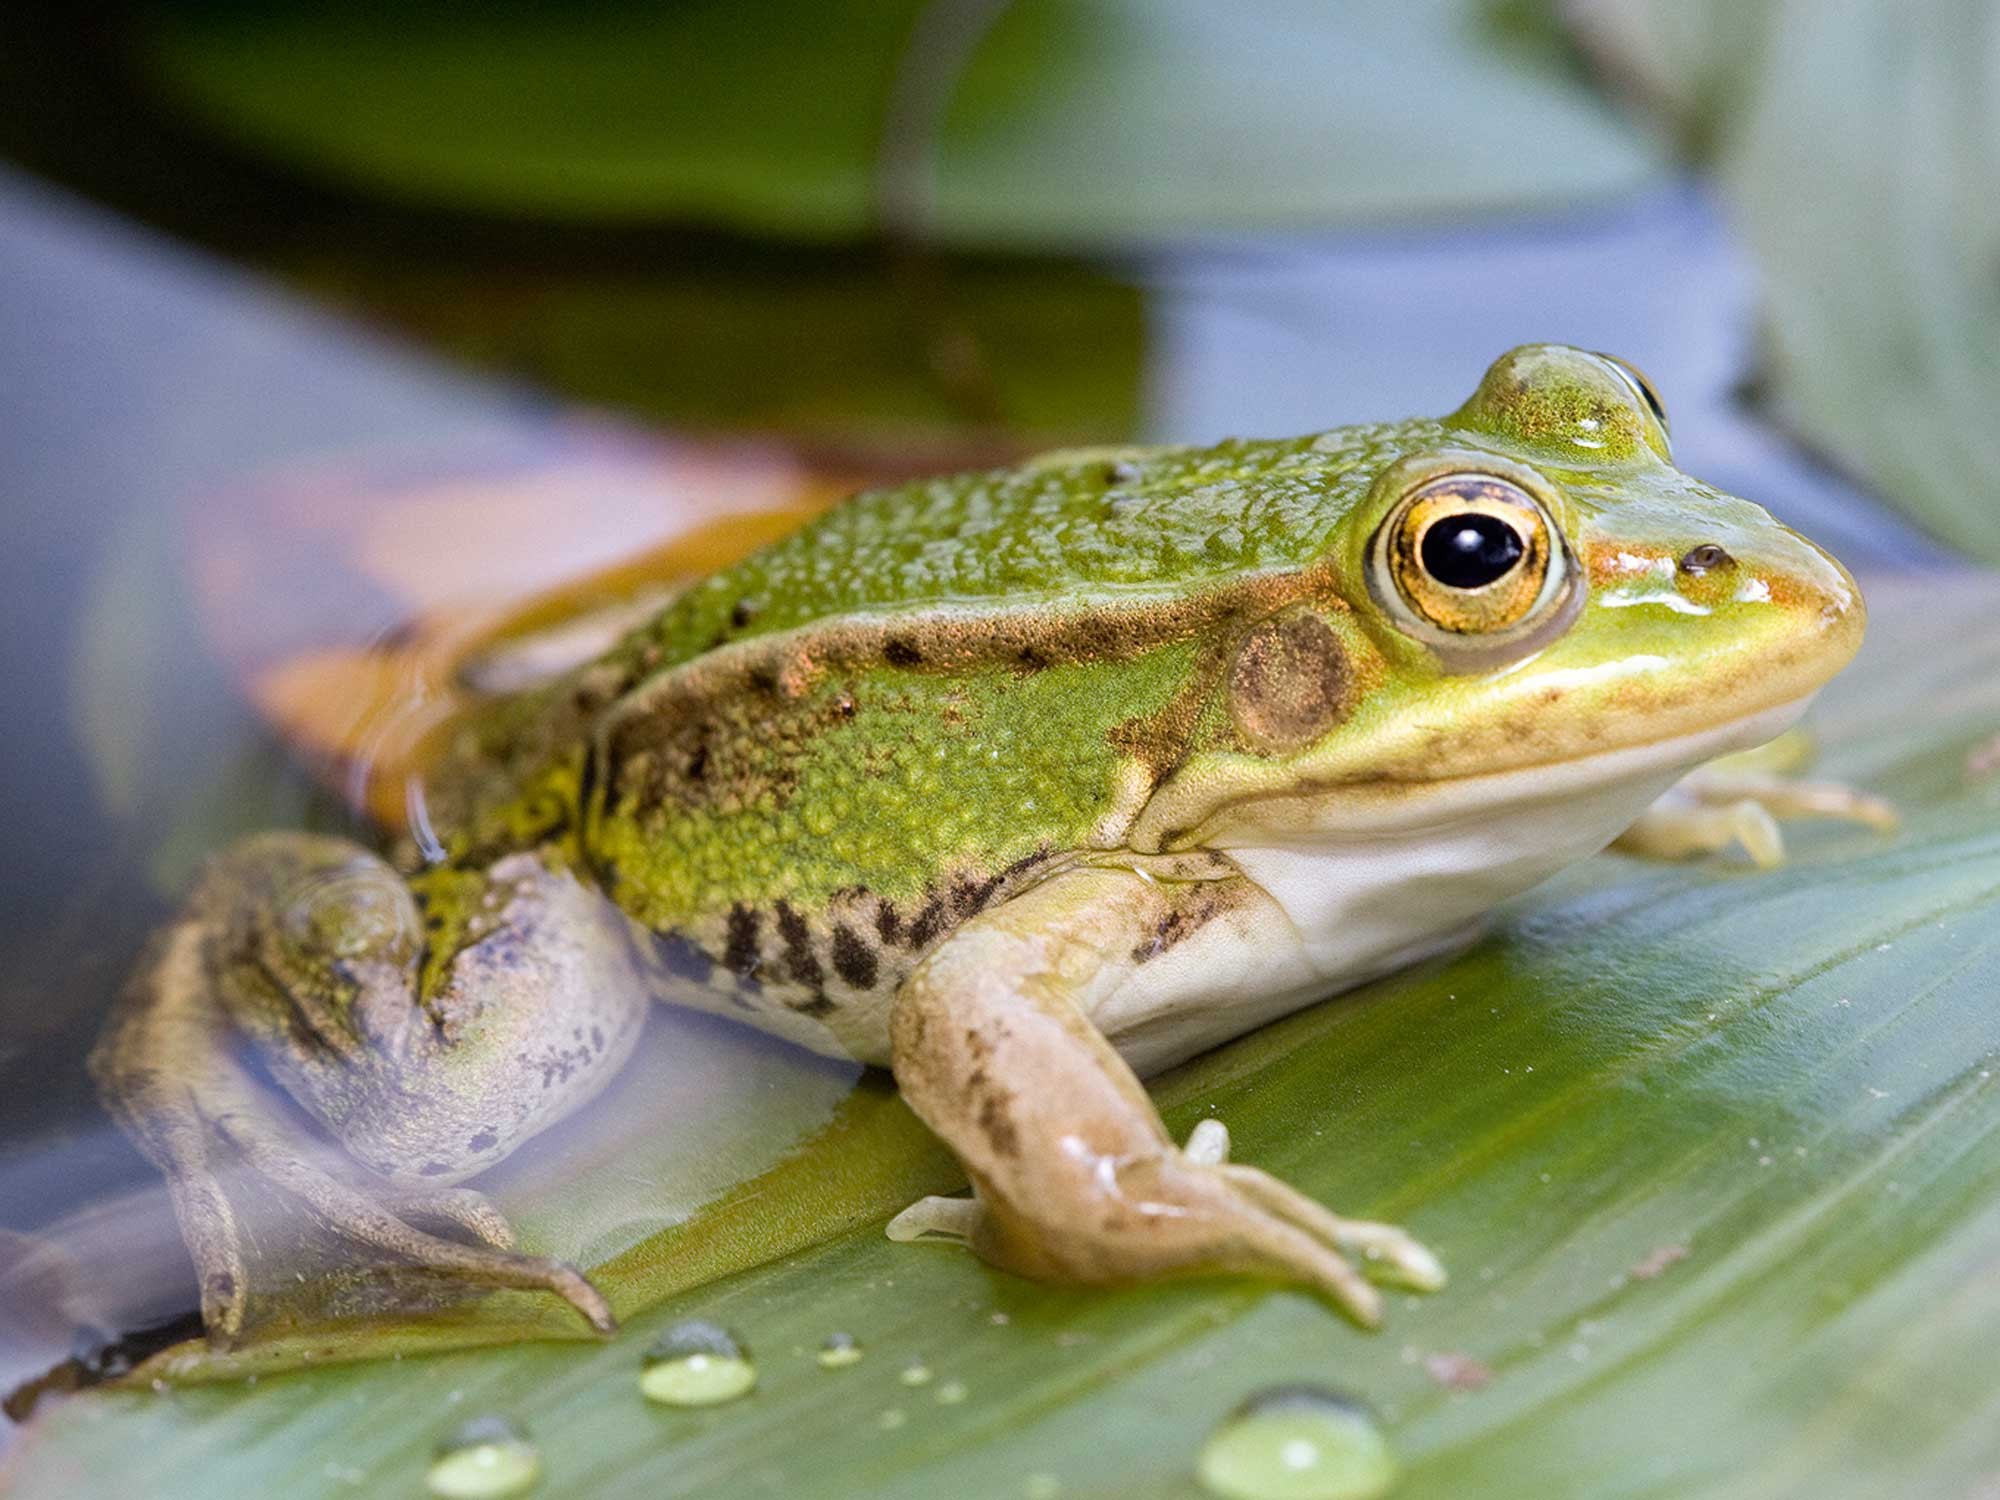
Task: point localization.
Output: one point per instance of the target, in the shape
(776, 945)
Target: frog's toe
(1208, 1143)
(936, 1218)
(1791, 797)
(1384, 1251)
(1678, 827)
(373, 1223)
(1719, 807)
(1242, 1219)
(461, 1208)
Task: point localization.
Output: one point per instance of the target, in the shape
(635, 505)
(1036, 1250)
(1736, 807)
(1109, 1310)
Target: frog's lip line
(1389, 805)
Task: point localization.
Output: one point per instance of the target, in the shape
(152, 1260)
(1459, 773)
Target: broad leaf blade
(1787, 1077)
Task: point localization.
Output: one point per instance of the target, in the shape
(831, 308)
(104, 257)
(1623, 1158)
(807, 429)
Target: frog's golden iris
(1472, 554)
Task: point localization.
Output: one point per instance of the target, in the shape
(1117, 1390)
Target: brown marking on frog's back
(1161, 740)
(947, 639)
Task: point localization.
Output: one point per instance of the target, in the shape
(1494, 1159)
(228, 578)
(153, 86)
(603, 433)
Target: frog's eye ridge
(1470, 554)
(1644, 387)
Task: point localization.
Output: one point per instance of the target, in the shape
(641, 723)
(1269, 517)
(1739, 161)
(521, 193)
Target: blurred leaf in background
(868, 222)
(1041, 124)
(1857, 148)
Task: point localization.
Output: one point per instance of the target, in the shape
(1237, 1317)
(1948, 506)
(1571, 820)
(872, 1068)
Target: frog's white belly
(1362, 881)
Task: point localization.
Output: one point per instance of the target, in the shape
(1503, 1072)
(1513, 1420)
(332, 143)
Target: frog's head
(1529, 603)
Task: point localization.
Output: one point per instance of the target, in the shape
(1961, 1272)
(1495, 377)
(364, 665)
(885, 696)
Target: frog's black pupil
(1471, 550)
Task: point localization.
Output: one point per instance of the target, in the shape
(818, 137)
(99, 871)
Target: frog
(1026, 785)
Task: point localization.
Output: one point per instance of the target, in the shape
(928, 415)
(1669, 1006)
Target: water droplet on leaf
(696, 1363)
(839, 1351)
(1297, 1442)
(484, 1459)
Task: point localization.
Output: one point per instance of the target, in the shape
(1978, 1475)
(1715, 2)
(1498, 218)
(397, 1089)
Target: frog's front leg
(1741, 799)
(311, 959)
(1077, 1179)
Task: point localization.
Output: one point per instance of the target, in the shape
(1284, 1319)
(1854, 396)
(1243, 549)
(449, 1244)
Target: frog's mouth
(1370, 873)
(1623, 781)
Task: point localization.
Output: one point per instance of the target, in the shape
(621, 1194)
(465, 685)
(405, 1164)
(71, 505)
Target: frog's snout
(1819, 593)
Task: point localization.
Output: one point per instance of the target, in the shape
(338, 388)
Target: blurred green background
(344, 250)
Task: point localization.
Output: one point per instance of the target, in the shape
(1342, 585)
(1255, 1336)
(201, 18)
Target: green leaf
(1711, 1155)
(1855, 151)
(1037, 124)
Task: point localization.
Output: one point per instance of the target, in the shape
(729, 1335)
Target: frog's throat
(1368, 875)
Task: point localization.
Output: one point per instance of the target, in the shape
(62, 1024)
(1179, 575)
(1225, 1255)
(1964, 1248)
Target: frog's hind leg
(1741, 799)
(310, 955)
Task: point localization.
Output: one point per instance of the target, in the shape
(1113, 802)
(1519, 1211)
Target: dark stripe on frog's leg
(817, 961)
(930, 925)
(742, 954)
(802, 965)
(853, 959)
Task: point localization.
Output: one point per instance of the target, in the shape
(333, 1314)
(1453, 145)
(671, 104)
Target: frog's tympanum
(1024, 784)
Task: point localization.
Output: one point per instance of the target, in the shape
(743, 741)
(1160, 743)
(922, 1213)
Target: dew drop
(1297, 1442)
(839, 1351)
(484, 1459)
(951, 1393)
(696, 1363)
(916, 1372)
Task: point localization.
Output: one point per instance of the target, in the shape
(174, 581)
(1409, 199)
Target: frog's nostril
(1706, 558)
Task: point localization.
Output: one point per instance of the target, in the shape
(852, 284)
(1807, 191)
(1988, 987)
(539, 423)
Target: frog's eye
(1471, 555)
(1641, 387)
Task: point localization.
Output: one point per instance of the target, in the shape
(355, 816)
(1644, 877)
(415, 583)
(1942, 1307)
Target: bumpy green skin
(891, 773)
(811, 767)
(1071, 530)
(910, 773)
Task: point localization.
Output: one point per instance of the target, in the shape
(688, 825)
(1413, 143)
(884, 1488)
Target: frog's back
(857, 738)
(1068, 530)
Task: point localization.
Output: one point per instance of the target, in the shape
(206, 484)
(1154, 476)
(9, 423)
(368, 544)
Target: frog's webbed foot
(306, 953)
(1739, 800)
(1253, 1222)
(1076, 1178)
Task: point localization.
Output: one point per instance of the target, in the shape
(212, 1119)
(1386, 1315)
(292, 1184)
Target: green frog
(1024, 784)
